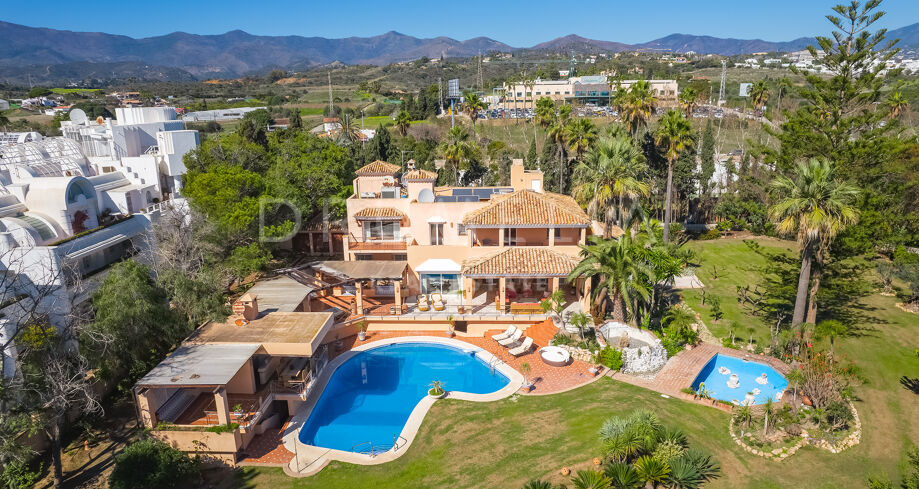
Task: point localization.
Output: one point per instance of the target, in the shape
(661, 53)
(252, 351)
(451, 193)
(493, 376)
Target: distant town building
(219, 115)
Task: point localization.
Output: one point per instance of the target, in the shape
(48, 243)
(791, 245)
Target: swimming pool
(719, 371)
(369, 397)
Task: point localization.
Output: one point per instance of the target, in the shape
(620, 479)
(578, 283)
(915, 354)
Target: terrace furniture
(555, 356)
(514, 339)
(523, 348)
(437, 301)
(423, 303)
(506, 334)
(526, 308)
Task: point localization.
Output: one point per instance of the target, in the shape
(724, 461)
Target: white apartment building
(144, 144)
(581, 89)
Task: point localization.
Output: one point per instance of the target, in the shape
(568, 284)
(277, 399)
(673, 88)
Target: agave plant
(589, 479)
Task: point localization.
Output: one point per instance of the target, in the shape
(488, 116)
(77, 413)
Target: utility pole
(440, 94)
(331, 106)
(480, 79)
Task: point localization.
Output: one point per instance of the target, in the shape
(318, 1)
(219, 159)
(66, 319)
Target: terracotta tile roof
(521, 262)
(379, 213)
(419, 175)
(528, 208)
(378, 167)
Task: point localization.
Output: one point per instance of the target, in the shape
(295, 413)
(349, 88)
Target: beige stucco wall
(244, 380)
(204, 441)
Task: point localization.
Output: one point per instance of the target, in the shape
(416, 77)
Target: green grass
(734, 264)
(73, 90)
(503, 444)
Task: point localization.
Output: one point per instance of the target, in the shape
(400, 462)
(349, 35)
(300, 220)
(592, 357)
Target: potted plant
(437, 390)
(451, 326)
(462, 298)
(525, 370)
(238, 410)
(362, 334)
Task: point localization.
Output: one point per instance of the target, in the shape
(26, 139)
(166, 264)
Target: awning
(439, 265)
(436, 220)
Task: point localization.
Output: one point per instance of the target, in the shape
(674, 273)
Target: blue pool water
(747, 372)
(371, 395)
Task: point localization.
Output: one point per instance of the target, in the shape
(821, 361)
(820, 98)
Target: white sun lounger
(506, 334)
(523, 348)
(514, 340)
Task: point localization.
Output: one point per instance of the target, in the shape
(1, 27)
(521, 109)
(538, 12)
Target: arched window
(79, 188)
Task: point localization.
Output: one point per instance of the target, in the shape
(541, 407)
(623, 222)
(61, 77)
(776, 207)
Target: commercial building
(582, 90)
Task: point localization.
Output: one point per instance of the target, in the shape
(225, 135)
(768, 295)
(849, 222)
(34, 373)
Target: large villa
(333, 359)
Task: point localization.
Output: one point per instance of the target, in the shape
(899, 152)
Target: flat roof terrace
(278, 333)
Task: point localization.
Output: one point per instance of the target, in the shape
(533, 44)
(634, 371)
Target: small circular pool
(369, 397)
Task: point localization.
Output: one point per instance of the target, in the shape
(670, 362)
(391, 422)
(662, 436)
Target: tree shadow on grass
(910, 384)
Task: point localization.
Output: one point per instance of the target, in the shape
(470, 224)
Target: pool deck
(682, 369)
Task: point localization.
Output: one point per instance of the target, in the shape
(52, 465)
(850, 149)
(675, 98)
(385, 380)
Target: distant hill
(180, 55)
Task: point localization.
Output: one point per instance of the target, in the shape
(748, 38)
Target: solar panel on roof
(445, 198)
(463, 191)
(467, 198)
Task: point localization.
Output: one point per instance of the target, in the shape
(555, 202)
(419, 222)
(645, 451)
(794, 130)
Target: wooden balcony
(376, 245)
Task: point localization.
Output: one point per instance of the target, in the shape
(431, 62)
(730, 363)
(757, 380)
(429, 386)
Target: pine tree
(296, 122)
(707, 156)
(380, 144)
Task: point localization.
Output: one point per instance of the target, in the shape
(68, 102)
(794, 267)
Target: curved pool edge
(310, 459)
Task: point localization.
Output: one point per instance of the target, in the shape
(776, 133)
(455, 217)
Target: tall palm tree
(759, 93)
(782, 87)
(897, 104)
(557, 131)
(611, 171)
(674, 133)
(350, 131)
(471, 106)
(638, 106)
(457, 149)
(817, 206)
(581, 134)
(621, 274)
(688, 99)
(654, 472)
(403, 121)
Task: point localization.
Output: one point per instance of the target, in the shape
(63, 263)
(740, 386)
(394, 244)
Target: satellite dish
(426, 195)
(77, 116)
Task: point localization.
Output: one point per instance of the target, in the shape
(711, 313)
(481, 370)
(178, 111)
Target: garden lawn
(735, 265)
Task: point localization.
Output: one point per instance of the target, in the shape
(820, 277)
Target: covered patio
(517, 279)
(359, 287)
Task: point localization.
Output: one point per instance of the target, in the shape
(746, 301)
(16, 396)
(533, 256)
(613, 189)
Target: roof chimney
(246, 307)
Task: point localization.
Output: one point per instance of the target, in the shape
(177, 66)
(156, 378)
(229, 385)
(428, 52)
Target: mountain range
(181, 55)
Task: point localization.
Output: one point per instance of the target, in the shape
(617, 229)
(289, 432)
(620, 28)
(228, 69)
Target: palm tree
(611, 172)
(350, 131)
(622, 476)
(654, 472)
(539, 484)
(688, 98)
(581, 134)
(580, 320)
(544, 112)
(638, 106)
(403, 121)
(768, 410)
(831, 329)
(589, 479)
(782, 87)
(472, 105)
(759, 93)
(703, 463)
(675, 133)
(743, 415)
(817, 206)
(620, 271)
(795, 378)
(457, 149)
(897, 104)
(557, 131)
(683, 475)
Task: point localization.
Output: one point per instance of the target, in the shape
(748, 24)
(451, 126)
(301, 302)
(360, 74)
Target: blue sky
(516, 23)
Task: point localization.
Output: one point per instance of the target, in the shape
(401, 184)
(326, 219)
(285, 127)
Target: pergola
(358, 272)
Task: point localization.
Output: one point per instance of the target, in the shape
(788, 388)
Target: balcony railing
(377, 244)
